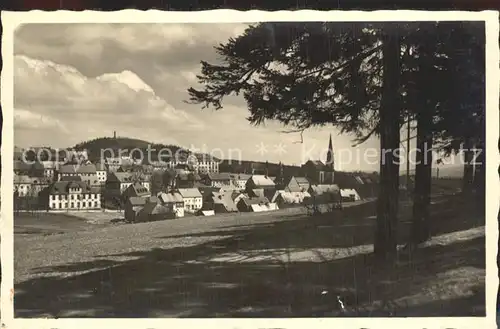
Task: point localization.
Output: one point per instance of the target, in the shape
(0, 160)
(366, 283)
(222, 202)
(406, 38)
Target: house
(30, 192)
(73, 196)
(293, 191)
(118, 182)
(204, 164)
(318, 173)
(193, 199)
(132, 207)
(207, 192)
(113, 163)
(237, 196)
(155, 211)
(131, 167)
(92, 180)
(261, 182)
(255, 205)
(217, 179)
(50, 168)
(325, 194)
(256, 193)
(221, 202)
(71, 178)
(66, 170)
(101, 171)
(240, 180)
(144, 179)
(349, 195)
(285, 198)
(366, 185)
(136, 190)
(149, 209)
(39, 184)
(297, 184)
(173, 200)
(206, 213)
(320, 189)
(87, 171)
(22, 185)
(80, 156)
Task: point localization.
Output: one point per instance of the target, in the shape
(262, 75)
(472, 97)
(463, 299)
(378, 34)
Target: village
(194, 188)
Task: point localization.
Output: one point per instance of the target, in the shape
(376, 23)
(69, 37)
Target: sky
(75, 82)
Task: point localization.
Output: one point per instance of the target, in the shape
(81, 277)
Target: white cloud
(58, 91)
(128, 79)
(92, 40)
(24, 118)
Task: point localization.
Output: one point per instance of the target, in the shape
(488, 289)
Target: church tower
(330, 161)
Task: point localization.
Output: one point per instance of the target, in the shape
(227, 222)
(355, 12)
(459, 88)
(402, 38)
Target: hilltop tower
(330, 161)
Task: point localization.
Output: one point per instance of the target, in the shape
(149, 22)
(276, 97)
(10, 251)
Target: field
(277, 264)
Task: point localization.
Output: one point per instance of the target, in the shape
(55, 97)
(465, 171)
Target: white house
(22, 184)
(217, 179)
(203, 163)
(86, 171)
(284, 197)
(240, 180)
(173, 200)
(101, 172)
(118, 182)
(205, 167)
(193, 200)
(113, 163)
(50, 168)
(349, 194)
(71, 195)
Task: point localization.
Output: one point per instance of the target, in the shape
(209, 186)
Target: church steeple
(329, 156)
(330, 162)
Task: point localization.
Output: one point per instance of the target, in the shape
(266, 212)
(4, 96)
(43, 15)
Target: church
(318, 172)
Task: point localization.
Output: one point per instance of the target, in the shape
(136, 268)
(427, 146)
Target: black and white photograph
(251, 168)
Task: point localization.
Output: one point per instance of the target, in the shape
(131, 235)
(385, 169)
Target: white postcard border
(10, 20)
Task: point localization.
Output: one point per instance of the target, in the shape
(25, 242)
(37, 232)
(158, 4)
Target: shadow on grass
(344, 229)
(190, 282)
(163, 283)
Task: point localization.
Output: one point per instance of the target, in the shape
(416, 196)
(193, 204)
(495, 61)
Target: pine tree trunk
(423, 169)
(423, 180)
(387, 203)
(468, 167)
